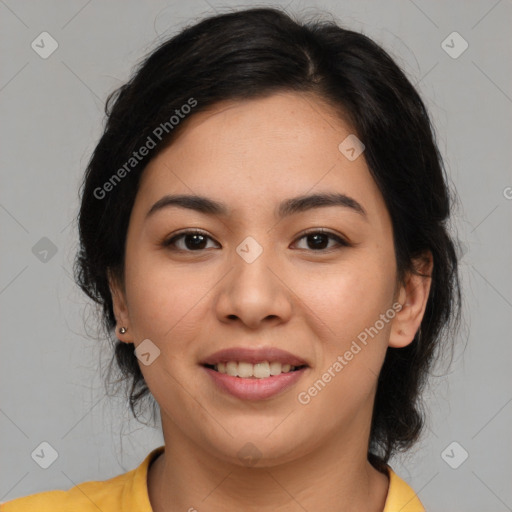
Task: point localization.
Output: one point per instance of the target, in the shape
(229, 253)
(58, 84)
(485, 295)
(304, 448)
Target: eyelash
(341, 241)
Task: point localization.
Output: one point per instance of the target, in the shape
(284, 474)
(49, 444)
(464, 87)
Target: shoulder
(127, 491)
(401, 497)
(91, 495)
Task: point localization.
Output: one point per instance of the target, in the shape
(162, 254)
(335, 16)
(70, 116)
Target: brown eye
(319, 240)
(188, 241)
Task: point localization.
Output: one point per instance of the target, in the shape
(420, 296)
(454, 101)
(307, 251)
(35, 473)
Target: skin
(251, 155)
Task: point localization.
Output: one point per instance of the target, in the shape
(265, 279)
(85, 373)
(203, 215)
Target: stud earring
(122, 330)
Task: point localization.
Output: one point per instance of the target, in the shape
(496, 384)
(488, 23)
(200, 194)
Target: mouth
(254, 374)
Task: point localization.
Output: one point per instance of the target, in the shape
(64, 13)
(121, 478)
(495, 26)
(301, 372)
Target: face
(316, 280)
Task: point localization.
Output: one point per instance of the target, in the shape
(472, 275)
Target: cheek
(349, 351)
(352, 294)
(166, 305)
(347, 304)
(164, 298)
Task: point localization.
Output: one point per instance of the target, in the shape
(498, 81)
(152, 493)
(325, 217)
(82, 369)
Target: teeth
(245, 370)
(232, 368)
(261, 370)
(275, 368)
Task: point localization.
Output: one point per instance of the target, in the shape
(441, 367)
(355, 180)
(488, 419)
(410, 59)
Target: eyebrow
(288, 207)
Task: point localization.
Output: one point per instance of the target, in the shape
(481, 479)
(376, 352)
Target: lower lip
(252, 388)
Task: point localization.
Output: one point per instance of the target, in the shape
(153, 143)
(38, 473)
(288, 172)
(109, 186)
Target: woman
(264, 225)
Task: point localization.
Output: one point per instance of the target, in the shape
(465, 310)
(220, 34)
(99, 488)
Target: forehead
(256, 152)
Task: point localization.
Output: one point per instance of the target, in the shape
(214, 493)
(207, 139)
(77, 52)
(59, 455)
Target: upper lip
(253, 356)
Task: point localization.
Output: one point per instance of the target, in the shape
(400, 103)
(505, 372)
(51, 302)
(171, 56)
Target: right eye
(191, 241)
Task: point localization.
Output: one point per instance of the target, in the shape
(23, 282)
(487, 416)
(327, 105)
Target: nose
(255, 293)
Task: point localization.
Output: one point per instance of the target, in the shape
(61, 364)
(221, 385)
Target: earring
(122, 330)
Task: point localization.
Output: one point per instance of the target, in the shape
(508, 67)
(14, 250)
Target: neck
(334, 477)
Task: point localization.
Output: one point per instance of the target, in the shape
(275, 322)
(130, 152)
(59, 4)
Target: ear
(120, 306)
(413, 296)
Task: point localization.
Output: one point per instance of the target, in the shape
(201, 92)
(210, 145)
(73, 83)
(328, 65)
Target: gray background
(51, 110)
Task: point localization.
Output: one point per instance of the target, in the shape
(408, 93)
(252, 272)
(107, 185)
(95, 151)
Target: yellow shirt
(128, 492)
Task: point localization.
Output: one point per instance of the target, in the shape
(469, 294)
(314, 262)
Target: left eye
(319, 238)
(195, 241)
